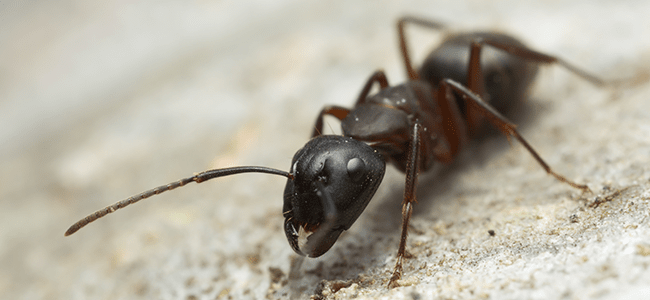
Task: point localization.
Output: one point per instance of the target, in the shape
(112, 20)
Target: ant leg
(476, 84)
(453, 128)
(409, 198)
(505, 126)
(338, 112)
(410, 71)
(341, 112)
(380, 77)
(539, 57)
(475, 78)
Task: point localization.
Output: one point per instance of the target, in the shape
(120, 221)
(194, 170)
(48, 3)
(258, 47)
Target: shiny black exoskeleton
(507, 78)
(334, 179)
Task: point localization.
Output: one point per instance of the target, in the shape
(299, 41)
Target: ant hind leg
(401, 23)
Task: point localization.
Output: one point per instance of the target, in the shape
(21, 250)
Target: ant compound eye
(356, 169)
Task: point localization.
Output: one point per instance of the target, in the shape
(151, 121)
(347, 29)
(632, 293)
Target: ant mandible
(426, 119)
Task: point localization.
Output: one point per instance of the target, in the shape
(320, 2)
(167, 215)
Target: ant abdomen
(506, 77)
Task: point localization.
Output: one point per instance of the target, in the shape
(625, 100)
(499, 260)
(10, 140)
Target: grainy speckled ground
(101, 101)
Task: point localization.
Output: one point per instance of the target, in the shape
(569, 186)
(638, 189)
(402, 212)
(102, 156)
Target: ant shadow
(482, 149)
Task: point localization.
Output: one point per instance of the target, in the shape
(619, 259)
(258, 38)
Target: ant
(414, 124)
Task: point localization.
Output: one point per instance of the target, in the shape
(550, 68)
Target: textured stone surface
(102, 101)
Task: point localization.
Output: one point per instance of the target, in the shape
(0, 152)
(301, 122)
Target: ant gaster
(414, 124)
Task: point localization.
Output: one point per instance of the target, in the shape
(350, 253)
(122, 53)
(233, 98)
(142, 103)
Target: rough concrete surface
(100, 101)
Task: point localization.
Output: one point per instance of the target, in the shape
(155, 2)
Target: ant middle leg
(506, 127)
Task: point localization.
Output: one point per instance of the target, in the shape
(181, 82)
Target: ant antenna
(198, 178)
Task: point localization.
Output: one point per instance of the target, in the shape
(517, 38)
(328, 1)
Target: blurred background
(102, 100)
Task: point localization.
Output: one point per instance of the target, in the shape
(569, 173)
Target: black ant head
(334, 178)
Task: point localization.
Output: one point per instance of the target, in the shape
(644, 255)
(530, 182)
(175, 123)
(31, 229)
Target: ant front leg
(506, 127)
(338, 112)
(342, 112)
(409, 198)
